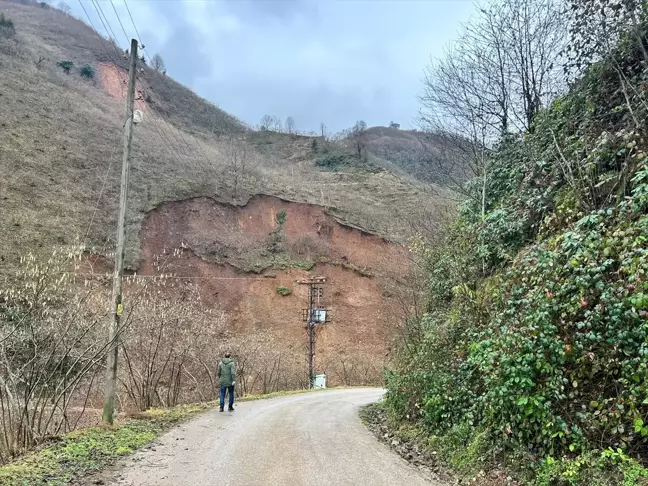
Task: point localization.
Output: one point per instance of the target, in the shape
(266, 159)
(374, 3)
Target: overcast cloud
(331, 61)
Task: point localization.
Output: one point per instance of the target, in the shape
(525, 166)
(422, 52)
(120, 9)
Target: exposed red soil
(364, 309)
(114, 80)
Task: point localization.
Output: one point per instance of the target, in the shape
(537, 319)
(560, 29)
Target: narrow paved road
(310, 439)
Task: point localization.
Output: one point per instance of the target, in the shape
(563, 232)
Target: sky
(330, 61)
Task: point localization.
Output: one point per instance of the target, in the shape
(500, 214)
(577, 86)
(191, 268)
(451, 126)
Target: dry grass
(60, 136)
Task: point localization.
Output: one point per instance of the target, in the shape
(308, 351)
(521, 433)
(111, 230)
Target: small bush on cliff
(284, 291)
(333, 161)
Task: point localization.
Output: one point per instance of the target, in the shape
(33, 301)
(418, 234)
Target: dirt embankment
(217, 241)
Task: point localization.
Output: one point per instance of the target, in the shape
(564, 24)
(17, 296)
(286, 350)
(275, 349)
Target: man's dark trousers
(223, 390)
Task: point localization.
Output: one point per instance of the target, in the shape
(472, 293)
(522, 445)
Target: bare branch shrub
(241, 162)
(354, 369)
(267, 362)
(168, 346)
(51, 344)
(157, 63)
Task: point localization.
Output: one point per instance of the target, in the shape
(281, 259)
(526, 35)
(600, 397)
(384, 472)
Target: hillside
(205, 195)
(530, 362)
(61, 136)
(428, 157)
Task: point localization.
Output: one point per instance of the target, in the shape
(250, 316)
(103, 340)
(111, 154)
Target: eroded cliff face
(238, 256)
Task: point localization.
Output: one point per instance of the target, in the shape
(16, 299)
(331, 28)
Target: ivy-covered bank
(534, 346)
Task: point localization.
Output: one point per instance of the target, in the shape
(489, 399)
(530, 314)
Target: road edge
(82, 455)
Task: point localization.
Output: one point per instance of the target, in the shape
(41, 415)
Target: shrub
(7, 27)
(52, 346)
(87, 71)
(282, 216)
(334, 161)
(65, 66)
(284, 291)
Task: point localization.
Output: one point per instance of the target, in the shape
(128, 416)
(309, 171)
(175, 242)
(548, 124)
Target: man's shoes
(221, 409)
(231, 409)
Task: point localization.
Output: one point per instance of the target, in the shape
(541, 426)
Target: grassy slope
(423, 156)
(60, 136)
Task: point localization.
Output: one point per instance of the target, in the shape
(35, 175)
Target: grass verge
(87, 450)
(248, 398)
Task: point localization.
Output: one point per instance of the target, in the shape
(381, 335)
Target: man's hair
(227, 355)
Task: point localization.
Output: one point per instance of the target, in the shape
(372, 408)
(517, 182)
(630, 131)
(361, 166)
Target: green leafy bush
(595, 468)
(332, 161)
(284, 291)
(281, 217)
(87, 71)
(65, 66)
(7, 27)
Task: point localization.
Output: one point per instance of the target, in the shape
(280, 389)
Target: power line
(120, 22)
(114, 38)
(133, 22)
(103, 186)
(160, 277)
(154, 123)
(145, 54)
(108, 28)
(106, 24)
(156, 72)
(110, 56)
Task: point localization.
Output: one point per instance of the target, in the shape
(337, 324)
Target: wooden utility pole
(116, 302)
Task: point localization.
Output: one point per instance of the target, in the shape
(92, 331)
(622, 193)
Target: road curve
(309, 439)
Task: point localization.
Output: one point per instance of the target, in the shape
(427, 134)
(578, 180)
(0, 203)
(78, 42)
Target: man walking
(226, 378)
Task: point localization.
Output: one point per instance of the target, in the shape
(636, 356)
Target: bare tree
(533, 40)
(65, 8)
(277, 124)
(158, 63)
(323, 129)
(266, 122)
(240, 161)
(492, 81)
(359, 136)
(290, 124)
(272, 123)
